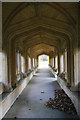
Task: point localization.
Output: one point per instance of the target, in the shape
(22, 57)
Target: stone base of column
(15, 85)
(8, 89)
(69, 85)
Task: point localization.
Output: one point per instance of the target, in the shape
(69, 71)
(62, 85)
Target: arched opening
(43, 61)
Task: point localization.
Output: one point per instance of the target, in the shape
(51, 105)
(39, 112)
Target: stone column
(18, 57)
(64, 62)
(65, 66)
(19, 62)
(54, 61)
(72, 65)
(50, 61)
(78, 44)
(26, 64)
(9, 66)
(58, 63)
(13, 64)
(68, 64)
(35, 62)
(31, 63)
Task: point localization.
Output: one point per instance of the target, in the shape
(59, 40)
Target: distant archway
(43, 61)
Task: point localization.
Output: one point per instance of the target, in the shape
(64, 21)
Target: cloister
(30, 30)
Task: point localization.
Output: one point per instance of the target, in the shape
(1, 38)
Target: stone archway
(43, 61)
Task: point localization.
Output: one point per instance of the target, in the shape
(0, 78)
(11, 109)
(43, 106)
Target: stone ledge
(72, 96)
(54, 73)
(74, 99)
(11, 97)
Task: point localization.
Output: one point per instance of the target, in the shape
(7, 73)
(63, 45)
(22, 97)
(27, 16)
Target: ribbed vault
(36, 25)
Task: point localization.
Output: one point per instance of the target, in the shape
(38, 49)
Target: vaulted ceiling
(39, 27)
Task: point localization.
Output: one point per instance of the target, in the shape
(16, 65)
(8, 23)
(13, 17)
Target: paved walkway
(29, 105)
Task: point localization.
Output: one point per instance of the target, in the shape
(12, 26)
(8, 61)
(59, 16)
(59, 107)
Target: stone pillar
(18, 57)
(78, 43)
(54, 61)
(58, 63)
(19, 62)
(16, 62)
(13, 64)
(26, 64)
(50, 61)
(65, 65)
(72, 65)
(31, 63)
(35, 62)
(9, 66)
(68, 65)
(64, 62)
